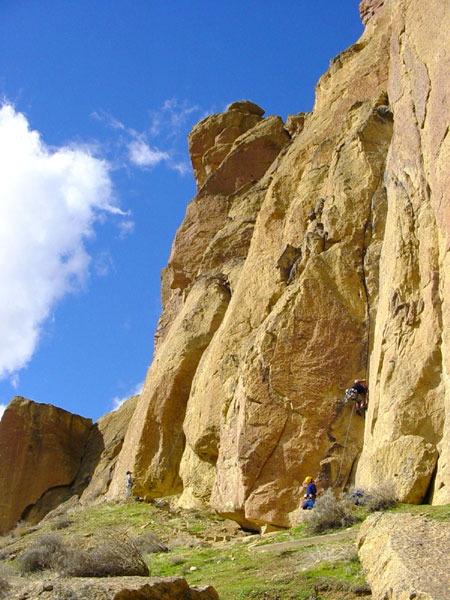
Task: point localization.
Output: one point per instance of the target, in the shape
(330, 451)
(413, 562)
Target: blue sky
(97, 100)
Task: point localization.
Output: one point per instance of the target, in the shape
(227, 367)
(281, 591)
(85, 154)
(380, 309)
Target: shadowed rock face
(48, 456)
(41, 447)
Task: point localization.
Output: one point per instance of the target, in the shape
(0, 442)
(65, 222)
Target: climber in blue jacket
(311, 492)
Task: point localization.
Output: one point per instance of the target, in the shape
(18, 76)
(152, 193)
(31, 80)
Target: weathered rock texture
(407, 435)
(102, 450)
(314, 252)
(41, 448)
(405, 557)
(115, 588)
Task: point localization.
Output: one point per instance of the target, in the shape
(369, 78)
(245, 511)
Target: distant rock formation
(405, 556)
(48, 455)
(314, 252)
(41, 448)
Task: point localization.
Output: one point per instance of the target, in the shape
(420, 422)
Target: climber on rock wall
(358, 393)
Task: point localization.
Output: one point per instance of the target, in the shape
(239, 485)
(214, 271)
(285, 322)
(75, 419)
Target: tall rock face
(41, 448)
(407, 437)
(314, 252)
(204, 268)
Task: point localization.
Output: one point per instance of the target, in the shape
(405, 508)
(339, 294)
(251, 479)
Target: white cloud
(118, 401)
(2, 410)
(162, 142)
(49, 200)
(172, 117)
(125, 228)
(142, 155)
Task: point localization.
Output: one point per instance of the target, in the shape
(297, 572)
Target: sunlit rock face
(407, 438)
(313, 253)
(41, 448)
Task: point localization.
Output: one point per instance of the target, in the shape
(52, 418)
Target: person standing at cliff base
(129, 485)
(311, 493)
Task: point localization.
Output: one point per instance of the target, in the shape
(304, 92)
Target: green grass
(238, 573)
(440, 513)
(234, 569)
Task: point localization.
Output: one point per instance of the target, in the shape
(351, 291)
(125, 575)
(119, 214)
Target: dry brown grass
(380, 498)
(114, 554)
(330, 513)
(4, 587)
(42, 555)
(61, 522)
(149, 543)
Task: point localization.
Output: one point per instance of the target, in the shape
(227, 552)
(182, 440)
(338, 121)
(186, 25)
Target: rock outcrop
(405, 557)
(408, 426)
(49, 456)
(41, 448)
(114, 588)
(102, 450)
(313, 253)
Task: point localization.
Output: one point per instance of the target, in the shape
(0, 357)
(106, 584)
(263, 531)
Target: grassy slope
(206, 549)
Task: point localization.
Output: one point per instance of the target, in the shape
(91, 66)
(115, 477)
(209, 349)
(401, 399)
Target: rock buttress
(408, 426)
(41, 448)
(207, 254)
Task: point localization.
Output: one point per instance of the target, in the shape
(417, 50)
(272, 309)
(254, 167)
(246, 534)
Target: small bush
(330, 512)
(42, 555)
(62, 523)
(149, 543)
(114, 555)
(380, 498)
(4, 587)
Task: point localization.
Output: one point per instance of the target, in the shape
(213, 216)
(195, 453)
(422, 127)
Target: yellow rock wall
(408, 426)
(313, 253)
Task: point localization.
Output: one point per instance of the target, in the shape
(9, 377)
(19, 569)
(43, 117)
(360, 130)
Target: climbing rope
(345, 444)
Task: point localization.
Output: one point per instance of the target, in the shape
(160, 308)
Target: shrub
(42, 555)
(380, 498)
(114, 555)
(149, 543)
(330, 512)
(4, 587)
(62, 522)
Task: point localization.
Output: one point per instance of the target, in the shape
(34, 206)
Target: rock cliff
(315, 251)
(41, 448)
(48, 455)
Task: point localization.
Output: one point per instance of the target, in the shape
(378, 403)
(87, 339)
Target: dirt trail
(348, 534)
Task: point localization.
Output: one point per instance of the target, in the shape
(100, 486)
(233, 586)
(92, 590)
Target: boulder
(405, 556)
(41, 448)
(115, 588)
